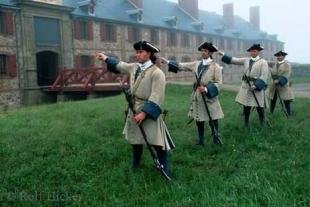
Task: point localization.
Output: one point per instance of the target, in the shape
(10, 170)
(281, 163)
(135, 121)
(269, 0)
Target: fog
(286, 18)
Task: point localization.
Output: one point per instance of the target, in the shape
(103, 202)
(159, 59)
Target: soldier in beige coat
(280, 86)
(256, 73)
(210, 75)
(148, 90)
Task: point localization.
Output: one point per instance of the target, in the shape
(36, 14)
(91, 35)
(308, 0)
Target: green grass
(73, 154)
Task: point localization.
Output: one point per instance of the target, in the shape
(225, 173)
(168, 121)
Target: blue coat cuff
(226, 59)
(173, 66)
(111, 64)
(259, 84)
(212, 90)
(282, 80)
(151, 109)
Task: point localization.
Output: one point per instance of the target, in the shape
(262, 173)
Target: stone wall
(9, 86)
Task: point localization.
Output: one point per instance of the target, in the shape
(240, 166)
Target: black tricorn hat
(280, 53)
(255, 47)
(144, 45)
(207, 45)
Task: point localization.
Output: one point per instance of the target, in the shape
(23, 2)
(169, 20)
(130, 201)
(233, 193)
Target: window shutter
(130, 34)
(77, 61)
(114, 35)
(92, 61)
(77, 32)
(9, 23)
(102, 31)
(90, 31)
(12, 65)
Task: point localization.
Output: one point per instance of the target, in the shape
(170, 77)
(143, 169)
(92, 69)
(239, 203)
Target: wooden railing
(91, 79)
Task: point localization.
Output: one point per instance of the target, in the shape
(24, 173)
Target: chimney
(137, 3)
(255, 17)
(228, 15)
(190, 6)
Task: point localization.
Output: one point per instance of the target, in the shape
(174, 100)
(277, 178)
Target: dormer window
(219, 29)
(87, 6)
(263, 34)
(171, 20)
(198, 25)
(136, 14)
(91, 8)
(236, 33)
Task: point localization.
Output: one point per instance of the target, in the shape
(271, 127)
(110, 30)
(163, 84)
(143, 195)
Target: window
(139, 17)
(154, 36)
(3, 65)
(172, 58)
(108, 32)
(222, 43)
(132, 59)
(46, 31)
(171, 39)
(240, 47)
(230, 44)
(2, 22)
(134, 34)
(8, 65)
(6, 22)
(185, 40)
(212, 40)
(186, 59)
(85, 61)
(199, 40)
(83, 30)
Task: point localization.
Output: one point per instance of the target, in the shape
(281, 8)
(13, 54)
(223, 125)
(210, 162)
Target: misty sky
(289, 19)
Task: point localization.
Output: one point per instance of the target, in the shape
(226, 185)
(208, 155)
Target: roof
(6, 3)
(154, 15)
(158, 15)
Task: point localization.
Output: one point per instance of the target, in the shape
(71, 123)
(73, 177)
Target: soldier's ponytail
(153, 58)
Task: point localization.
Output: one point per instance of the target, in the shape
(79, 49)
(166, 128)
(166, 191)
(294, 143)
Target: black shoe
(217, 140)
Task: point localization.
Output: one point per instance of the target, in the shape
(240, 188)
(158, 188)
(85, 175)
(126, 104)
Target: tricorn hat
(255, 47)
(280, 53)
(144, 45)
(209, 46)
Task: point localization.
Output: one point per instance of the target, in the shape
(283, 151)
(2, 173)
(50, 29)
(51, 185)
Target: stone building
(37, 37)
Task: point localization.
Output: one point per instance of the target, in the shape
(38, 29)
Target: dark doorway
(47, 67)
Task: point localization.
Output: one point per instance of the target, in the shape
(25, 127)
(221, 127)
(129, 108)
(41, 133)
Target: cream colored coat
(197, 109)
(259, 70)
(150, 85)
(285, 91)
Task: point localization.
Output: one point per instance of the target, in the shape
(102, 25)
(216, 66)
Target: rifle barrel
(154, 156)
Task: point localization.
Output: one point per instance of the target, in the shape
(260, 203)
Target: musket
(157, 164)
(256, 100)
(208, 112)
(281, 102)
(248, 82)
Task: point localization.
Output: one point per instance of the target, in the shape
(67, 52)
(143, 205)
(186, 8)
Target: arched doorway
(47, 67)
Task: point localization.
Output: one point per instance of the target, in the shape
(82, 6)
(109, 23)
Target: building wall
(123, 49)
(9, 84)
(24, 88)
(27, 49)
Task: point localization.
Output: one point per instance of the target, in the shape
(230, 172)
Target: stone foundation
(9, 99)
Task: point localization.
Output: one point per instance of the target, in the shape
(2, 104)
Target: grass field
(73, 154)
